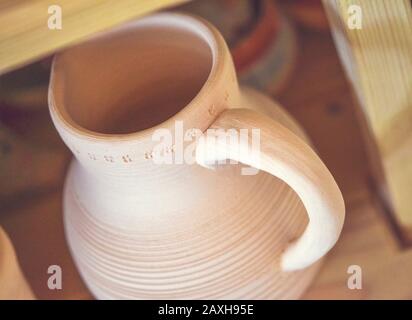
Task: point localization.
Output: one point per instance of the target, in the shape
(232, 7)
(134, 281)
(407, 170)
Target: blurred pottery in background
(27, 167)
(308, 13)
(13, 285)
(26, 88)
(139, 229)
(233, 18)
(32, 158)
(261, 39)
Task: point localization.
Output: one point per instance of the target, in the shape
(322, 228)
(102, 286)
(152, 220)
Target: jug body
(145, 221)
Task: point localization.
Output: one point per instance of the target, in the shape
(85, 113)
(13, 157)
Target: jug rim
(220, 56)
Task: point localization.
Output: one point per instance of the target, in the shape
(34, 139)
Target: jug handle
(286, 156)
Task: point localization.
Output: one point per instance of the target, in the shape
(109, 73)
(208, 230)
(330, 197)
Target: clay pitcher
(156, 204)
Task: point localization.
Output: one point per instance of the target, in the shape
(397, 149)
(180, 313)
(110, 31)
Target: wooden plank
(24, 32)
(378, 61)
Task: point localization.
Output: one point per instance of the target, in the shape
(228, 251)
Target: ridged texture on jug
(139, 230)
(225, 245)
(233, 254)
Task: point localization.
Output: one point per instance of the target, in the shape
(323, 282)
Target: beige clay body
(142, 230)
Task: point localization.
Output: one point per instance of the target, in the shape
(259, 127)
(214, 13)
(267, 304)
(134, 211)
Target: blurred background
(284, 48)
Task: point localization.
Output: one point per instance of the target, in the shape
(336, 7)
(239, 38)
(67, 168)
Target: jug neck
(133, 153)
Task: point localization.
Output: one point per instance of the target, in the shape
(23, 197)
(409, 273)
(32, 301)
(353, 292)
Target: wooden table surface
(320, 98)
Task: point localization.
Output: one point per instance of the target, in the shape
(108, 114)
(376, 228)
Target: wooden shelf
(24, 32)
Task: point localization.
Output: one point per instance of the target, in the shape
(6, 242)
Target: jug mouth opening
(137, 78)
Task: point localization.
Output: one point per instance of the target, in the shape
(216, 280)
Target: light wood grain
(378, 61)
(25, 36)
